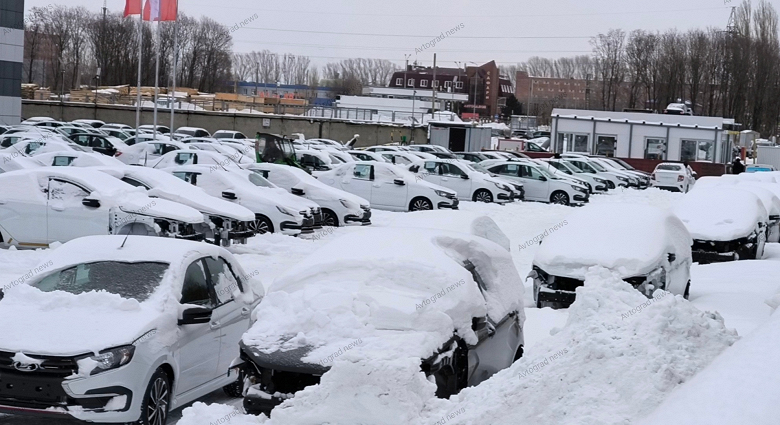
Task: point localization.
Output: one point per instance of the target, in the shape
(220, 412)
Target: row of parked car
(726, 218)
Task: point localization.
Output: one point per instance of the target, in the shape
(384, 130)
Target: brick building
(539, 95)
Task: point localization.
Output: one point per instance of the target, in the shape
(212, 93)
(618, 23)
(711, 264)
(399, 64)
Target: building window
(399, 82)
(655, 148)
(606, 145)
(697, 150)
(410, 82)
(569, 142)
(447, 84)
(423, 83)
(459, 84)
(436, 83)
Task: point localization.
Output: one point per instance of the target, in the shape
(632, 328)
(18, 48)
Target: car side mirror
(672, 257)
(298, 192)
(90, 203)
(464, 177)
(399, 182)
(543, 178)
(195, 315)
(229, 196)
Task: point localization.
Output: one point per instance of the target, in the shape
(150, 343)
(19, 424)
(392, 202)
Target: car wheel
(610, 184)
(236, 389)
(261, 225)
(420, 204)
(483, 195)
(687, 290)
(329, 218)
(154, 408)
(454, 376)
(518, 354)
(560, 198)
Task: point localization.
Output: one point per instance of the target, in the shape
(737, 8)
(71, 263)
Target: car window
(531, 173)
(431, 167)
(280, 178)
(82, 139)
(185, 158)
(97, 142)
(451, 170)
(509, 170)
(223, 279)
(258, 180)
(362, 171)
(62, 161)
(196, 288)
(134, 182)
(69, 194)
(191, 178)
(669, 167)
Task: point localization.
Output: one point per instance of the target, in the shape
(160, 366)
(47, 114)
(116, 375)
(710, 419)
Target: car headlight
(623, 179)
(579, 188)
(112, 359)
(365, 207)
(285, 211)
(519, 187)
(345, 203)
(599, 181)
(443, 194)
(503, 186)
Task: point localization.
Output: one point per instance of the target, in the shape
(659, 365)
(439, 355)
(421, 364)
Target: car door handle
(214, 325)
(245, 311)
(57, 208)
(445, 179)
(377, 185)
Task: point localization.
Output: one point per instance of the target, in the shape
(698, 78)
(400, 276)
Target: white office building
(11, 58)
(642, 135)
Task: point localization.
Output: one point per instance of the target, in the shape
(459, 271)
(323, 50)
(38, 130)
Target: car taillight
(118, 153)
(680, 178)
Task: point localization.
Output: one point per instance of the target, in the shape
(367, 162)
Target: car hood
(63, 324)
(163, 208)
(326, 193)
(205, 203)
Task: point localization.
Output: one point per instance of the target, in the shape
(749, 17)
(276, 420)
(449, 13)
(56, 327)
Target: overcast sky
(395, 28)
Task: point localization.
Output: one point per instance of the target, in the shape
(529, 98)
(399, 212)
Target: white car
(402, 158)
(641, 178)
(672, 176)
(330, 143)
(338, 207)
(274, 208)
(315, 160)
(429, 148)
(125, 329)
(726, 223)
(238, 155)
(367, 156)
(32, 147)
(39, 206)
(624, 178)
(389, 187)
(77, 159)
(224, 221)
(597, 184)
(563, 176)
(651, 256)
(91, 123)
(196, 157)
(149, 152)
(614, 180)
(13, 162)
(160, 129)
(193, 131)
(228, 134)
(33, 120)
(118, 126)
(387, 148)
(471, 185)
(540, 185)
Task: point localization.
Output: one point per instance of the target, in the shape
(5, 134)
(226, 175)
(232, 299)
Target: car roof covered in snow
(403, 292)
(721, 213)
(454, 221)
(631, 240)
(81, 159)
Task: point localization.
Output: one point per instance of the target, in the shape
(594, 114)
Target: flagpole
(175, 42)
(156, 79)
(140, 57)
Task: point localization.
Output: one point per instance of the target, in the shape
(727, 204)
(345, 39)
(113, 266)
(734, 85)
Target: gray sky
(533, 24)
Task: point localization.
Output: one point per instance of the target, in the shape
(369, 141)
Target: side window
(451, 170)
(134, 182)
(82, 139)
(431, 167)
(510, 170)
(223, 279)
(67, 193)
(191, 178)
(97, 142)
(62, 161)
(362, 171)
(185, 159)
(535, 174)
(196, 288)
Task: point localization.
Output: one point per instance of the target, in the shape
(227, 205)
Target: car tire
(157, 399)
(559, 197)
(420, 204)
(451, 381)
(687, 290)
(329, 218)
(483, 195)
(236, 389)
(261, 225)
(518, 354)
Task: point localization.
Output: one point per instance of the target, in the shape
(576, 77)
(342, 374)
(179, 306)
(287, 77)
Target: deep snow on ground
(736, 290)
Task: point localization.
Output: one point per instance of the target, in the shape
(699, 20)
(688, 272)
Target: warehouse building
(643, 135)
(11, 57)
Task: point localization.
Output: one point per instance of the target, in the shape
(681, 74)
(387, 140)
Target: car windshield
(258, 180)
(596, 166)
(669, 167)
(615, 164)
(478, 168)
(544, 172)
(128, 280)
(625, 165)
(571, 167)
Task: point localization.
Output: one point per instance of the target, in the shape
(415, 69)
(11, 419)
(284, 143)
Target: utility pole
(433, 83)
(587, 91)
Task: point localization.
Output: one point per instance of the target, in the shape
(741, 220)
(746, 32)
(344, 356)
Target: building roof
(686, 121)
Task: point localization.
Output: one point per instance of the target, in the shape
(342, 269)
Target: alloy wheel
(421, 205)
(484, 196)
(157, 407)
(260, 227)
(560, 198)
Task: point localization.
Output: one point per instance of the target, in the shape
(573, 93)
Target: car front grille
(50, 367)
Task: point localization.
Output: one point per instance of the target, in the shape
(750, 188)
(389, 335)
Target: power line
(414, 36)
(394, 49)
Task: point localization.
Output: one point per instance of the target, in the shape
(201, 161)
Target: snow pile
(605, 366)
(202, 414)
(721, 213)
(456, 221)
(740, 387)
(629, 239)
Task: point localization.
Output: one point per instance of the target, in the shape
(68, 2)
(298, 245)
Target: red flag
(161, 10)
(132, 7)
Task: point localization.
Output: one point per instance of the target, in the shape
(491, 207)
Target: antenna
(128, 234)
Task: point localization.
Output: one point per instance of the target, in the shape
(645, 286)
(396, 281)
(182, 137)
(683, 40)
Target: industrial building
(11, 57)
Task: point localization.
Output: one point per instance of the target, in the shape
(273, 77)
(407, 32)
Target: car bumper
(506, 197)
(451, 204)
(600, 189)
(293, 228)
(580, 197)
(564, 299)
(669, 188)
(364, 219)
(705, 257)
(196, 237)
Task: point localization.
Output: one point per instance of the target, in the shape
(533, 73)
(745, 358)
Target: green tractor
(276, 149)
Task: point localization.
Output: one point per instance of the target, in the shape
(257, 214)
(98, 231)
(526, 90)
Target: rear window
(669, 167)
(128, 280)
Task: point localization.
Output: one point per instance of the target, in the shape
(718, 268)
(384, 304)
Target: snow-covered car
(470, 185)
(338, 207)
(768, 194)
(429, 148)
(32, 147)
(614, 180)
(274, 208)
(367, 156)
(449, 300)
(228, 134)
(571, 178)
(635, 178)
(149, 152)
(726, 223)
(33, 120)
(342, 156)
(471, 156)
(241, 156)
(117, 126)
(193, 131)
(147, 137)
(315, 160)
(119, 134)
(13, 162)
(39, 206)
(195, 157)
(160, 129)
(91, 123)
(473, 223)
(648, 247)
(77, 159)
(386, 148)
(389, 187)
(102, 144)
(672, 176)
(224, 221)
(124, 329)
(402, 158)
(540, 185)
(597, 184)
(334, 144)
